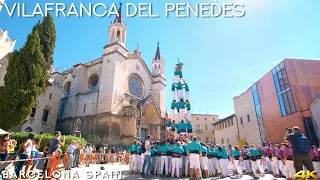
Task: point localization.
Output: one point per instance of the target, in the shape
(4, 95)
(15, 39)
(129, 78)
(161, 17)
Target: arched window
(118, 36)
(93, 80)
(67, 87)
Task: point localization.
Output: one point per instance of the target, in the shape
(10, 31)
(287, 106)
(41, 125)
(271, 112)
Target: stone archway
(151, 120)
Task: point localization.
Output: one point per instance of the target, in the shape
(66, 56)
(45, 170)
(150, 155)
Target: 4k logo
(306, 174)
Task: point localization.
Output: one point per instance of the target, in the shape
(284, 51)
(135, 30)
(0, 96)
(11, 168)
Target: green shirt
(177, 149)
(189, 125)
(179, 86)
(176, 72)
(194, 146)
(130, 149)
(164, 149)
(204, 149)
(182, 104)
(236, 153)
(224, 153)
(139, 150)
(173, 126)
(134, 147)
(252, 152)
(188, 106)
(181, 126)
(186, 87)
(153, 151)
(173, 87)
(173, 105)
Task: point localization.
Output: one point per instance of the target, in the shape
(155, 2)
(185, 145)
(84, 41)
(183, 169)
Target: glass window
(282, 106)
(278, 68)
(276, 82)
(34, 110)
(206, 127)
(231, 122)
(228, 140)
(279, 75)
(291, 102)
(241, 122)
(205, 118)
(274, 71)
(255, 98)
(45, 115)
(135, 86)
(207, 139)
(222, 141)
(222, 125)
(281, 65)
(286, 103)
(248, 117)
(258, 109)
(254, 87)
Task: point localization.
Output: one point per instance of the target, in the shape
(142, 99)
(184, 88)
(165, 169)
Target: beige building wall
(315, 111)
(246, 117)
(202, 126)
(226, 131)
(6, 47)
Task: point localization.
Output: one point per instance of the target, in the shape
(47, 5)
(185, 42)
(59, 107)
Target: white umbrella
(2, 132)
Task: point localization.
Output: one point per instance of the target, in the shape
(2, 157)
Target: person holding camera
(301, 147)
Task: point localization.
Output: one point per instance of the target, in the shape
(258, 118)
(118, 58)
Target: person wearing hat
(177, 152)
(204, 160)
(194, 155)
(186, 87)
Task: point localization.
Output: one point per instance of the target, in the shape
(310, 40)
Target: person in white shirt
(147, 157)
(88, 152)
(70, 152)
(26, 147)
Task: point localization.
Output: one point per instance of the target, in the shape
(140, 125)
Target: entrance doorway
(143, 134)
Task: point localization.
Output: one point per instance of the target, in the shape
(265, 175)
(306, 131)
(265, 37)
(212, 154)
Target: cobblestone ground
(119, 171)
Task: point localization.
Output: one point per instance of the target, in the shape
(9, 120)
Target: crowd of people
(189, 158)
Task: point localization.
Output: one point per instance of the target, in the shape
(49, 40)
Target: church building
(108, 100)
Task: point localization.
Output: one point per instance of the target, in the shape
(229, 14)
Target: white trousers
(164, 164)
(316, 166)
(275, 166)
(186, 166)
(260, 165)
(189, 115)
(180, 94)
(172, 114)
(173, 95)
(135, 162)
(204, 163)
(187, 95)
(288, 169)
(175, 166)
(238, 166)
(131, 163)
(215, 164)
(247, 166)
(280, 165)
(141, 161)
(212, 171)
(169, 163)
(223, 163)
(157, 169)
(153, 162)
(268, 164)
(254, 167)
(181, 113)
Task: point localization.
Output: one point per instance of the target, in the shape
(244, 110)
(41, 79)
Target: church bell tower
(117, 29)
(158, 64)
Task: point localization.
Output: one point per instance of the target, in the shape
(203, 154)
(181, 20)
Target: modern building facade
(315, 112)
(6, 47)
(227, 131)
(282, 98)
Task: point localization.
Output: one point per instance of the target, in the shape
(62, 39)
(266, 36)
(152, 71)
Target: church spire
(157, 56)
(119, 19)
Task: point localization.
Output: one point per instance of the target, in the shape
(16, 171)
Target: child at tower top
(179, 65)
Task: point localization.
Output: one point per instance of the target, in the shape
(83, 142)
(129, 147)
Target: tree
(47, 33)
(24, 82)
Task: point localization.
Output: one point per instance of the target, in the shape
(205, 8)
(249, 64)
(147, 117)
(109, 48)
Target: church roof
(119, 19)
(157, 56)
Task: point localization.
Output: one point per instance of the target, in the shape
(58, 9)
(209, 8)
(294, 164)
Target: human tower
(180, 105)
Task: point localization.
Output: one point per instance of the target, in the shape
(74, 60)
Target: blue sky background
(222, 56)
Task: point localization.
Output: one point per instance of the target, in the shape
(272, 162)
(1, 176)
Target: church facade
(109, 100)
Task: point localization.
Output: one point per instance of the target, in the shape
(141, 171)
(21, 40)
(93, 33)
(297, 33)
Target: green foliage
(27, 74)
(21, 136)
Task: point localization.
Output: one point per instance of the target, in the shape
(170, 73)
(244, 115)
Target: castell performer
(188, 106)
(182, 106)
(173, 107)
(179, 88)
(186, 88)
(173, 90)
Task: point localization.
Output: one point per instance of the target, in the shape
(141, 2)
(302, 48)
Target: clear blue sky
(222, 56)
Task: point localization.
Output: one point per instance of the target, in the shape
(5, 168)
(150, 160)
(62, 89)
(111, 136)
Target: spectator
(34, 148)
(53, 145)
(70, 158)
(5, 144)
(88, 152)
(301, 148)
(77, 155)
(25, 148)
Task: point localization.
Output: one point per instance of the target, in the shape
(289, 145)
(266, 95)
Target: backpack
(305, 145)
(143, 147)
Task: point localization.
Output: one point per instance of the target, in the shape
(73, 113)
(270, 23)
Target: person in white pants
(180, 93)
(274, 160)
(236, 155)
(260, 160)
(177, 152)
(173, 107)
(141, 162)
(157, 169)
(288, 169)
(204, 160)
(176, 76)
(182, 106)
(223, 161)
(253, 157)
(246, 160)
(186, 87)
(173, 90)
(188, 106)
(164, 149)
